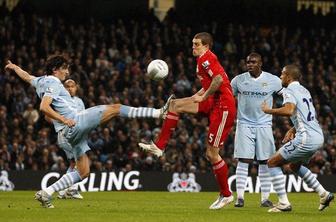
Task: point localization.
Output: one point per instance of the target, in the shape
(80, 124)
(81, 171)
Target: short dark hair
(205, 37)
(55, 62)
(294, 71)
(255, 55)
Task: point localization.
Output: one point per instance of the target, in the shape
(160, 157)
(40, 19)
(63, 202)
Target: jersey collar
(293, 83)
(204, 53)
(255, 79)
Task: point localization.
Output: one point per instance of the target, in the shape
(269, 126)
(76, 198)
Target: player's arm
(214, 86)
(48, 119)
(51, 113)
(20, 72)
(199, 93)
(287, 110)
(289, 135)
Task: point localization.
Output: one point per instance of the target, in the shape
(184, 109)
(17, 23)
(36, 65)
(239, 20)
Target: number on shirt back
(309, 102)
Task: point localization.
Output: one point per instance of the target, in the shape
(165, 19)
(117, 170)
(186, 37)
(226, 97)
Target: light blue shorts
(74, 140)
(296, 151)
(251, 142)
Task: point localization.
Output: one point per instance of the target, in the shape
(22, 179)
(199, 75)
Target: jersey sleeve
(234, 86)
(288, 97)
(278, 86)
(34, 82)
(212, 66)
(52, 89)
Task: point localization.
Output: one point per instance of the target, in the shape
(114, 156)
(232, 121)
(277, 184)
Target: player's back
(251, 93)
(304, 117)
(62, 102)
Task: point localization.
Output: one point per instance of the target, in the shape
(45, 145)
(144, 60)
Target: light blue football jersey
(79, 103)
(62, 101)
(304, 118)
(251, 92)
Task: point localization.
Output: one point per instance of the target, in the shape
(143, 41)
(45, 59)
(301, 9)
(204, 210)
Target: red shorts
(221, 119)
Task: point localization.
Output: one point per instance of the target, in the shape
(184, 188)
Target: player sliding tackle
(215, 99)
(72, 126)
(301, 141)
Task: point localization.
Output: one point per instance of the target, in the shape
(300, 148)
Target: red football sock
(168, 127)
(220, 170)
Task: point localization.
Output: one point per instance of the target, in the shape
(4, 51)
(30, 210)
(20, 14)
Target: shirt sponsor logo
(251, 93)
(206, 64)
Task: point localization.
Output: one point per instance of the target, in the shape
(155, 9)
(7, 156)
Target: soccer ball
(157, 69)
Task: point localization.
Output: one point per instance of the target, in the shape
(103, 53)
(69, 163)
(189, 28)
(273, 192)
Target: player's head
(201, 43)
(71, 86)
(289, 74)
(254, 63)
(58, 66)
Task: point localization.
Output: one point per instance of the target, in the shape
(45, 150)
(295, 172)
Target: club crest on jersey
(206, 64)
(49, 90)
(264, 84)
(286, 95)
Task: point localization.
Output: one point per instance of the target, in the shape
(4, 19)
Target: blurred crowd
(109, 60)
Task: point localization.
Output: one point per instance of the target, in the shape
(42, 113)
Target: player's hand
(10, 65)
(69, 122)
(264, 107)
(198, 98)
(289, 136)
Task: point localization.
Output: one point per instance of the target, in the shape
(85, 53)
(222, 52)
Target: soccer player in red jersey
(215, 99)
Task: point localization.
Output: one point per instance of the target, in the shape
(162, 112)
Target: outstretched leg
(177, 106)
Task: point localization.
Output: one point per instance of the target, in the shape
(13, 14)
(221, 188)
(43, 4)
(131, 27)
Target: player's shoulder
(242, 76)
(77, 99)
(270, 75)
(208, 56)
(51, 80)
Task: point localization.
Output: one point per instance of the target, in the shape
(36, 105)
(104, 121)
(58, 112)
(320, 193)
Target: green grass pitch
(156, 206)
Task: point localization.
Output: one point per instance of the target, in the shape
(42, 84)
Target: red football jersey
(208, 67)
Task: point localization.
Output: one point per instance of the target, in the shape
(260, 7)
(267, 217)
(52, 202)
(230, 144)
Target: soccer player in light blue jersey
(73, 126)
(301, 141)
(254, 135)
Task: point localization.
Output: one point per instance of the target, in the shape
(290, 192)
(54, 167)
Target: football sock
(132, 112)
(311, 180)
(278, 180)
(167, 129)
(70, 169)
(241, 177)
(220, 170)
(67, 180)
(75, 186)
(265, 181)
